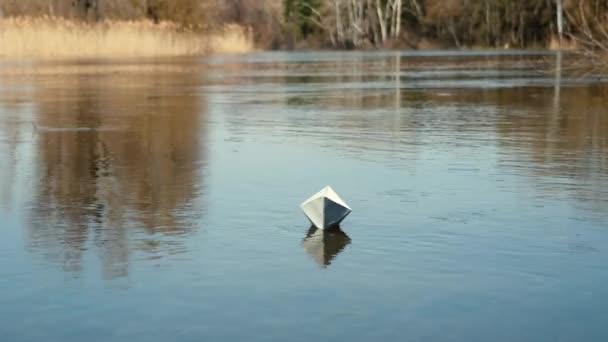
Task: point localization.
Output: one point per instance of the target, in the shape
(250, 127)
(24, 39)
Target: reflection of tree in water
(14, 135)
(568, 142)
(561, 142)
(137, 166)
(325, 245)
(334, 103)
(359, 106)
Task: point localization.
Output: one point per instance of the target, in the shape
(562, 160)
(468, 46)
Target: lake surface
(159, 200)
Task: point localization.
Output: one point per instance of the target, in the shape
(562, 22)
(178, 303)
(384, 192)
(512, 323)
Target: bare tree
(560, 23)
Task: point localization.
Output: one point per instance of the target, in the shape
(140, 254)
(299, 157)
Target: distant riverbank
(47, 37)
(194, 27)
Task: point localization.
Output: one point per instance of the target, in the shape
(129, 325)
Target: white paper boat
(324, 245)
(325, 209)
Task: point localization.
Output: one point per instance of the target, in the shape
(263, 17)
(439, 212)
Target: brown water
(158, 200)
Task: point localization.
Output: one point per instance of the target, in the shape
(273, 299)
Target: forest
(357, 24)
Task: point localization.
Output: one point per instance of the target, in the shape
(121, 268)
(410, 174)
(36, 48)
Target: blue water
(160, 202)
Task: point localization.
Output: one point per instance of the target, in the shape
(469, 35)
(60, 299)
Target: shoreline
(47, 37)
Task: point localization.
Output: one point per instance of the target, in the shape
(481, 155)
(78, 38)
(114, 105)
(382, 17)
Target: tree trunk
(51, 9)
(397, 9)
(372, 23)
(560, 28)
(351, 19)
(419, 14)
(339, 28)
(381, 20)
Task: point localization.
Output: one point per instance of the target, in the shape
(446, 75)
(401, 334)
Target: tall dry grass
(60, 38)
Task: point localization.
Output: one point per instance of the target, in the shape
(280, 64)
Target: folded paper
(325, 209)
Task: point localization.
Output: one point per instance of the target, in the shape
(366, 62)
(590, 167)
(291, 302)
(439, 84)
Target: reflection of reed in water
(325, 245)
(103, 184)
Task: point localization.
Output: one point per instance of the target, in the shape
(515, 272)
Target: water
(158, 200)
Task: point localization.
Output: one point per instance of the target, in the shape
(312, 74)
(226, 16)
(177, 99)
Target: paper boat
(325, 245)
(325, 209)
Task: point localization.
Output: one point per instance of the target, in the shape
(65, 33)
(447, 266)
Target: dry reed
(59, 38)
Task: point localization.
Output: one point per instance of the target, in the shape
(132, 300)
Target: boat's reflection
(325, 245)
